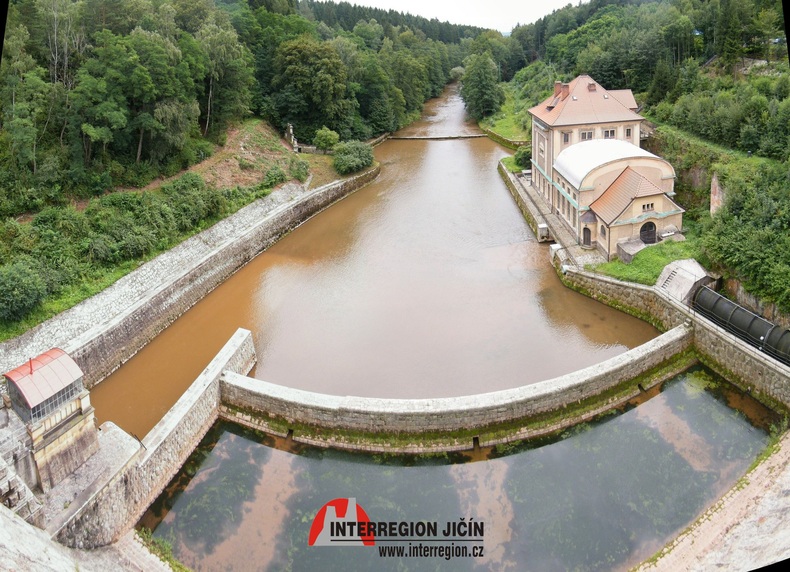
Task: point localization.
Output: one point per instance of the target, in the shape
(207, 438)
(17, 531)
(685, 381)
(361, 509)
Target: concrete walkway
(570, 252)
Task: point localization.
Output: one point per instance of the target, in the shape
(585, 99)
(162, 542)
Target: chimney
(565, 90)
(557, 87)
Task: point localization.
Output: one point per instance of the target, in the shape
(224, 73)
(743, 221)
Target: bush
(352, 156)
(523, 156)
(274, 177)
(21, 290)
(325, 138)
(298, 168)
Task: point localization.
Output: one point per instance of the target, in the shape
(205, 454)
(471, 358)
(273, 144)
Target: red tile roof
(44, 376)
(583, 101)
(628, 186)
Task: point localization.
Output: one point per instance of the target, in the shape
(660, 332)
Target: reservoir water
(426, 283)
(603, 496)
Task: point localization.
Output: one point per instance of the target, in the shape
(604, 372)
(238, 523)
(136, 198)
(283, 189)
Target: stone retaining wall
(382, 416)
(102, 336)
(742, 364)
(108, 509)
(103, 352)
(509, 143)
(733, 358)
(646, 302)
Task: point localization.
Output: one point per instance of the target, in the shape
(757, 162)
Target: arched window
(603, 231)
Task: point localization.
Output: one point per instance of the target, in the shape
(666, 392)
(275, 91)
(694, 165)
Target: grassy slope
(250, 150)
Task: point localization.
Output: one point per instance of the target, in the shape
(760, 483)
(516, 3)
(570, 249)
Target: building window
(608, 133)
(603, 231)
(566, 138)
(647, 207)
(586, 135)
(540, 149)
(628, 132)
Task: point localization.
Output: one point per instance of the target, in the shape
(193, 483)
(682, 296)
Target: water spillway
(603, 496)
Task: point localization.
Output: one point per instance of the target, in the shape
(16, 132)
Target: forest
(103, 94)
(714, 76)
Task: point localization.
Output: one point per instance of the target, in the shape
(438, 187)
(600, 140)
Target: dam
(161, 448)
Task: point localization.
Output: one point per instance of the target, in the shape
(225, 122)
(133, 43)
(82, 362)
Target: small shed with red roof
(44, 384)
(48, 394)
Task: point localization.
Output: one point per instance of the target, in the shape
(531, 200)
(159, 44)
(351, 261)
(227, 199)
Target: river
(426, 283)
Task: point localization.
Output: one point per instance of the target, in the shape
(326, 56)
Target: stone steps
(668, 281)
(16, 495)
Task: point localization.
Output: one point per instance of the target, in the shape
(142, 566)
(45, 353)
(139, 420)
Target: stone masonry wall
(101, 354)
(103, 332)
(448, 414)
(735, 359)
(742, 364)
(646, 302)
(104, 512)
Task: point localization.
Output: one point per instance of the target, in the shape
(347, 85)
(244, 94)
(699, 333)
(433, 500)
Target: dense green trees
(480, 86)
(96, 93)
(750, 236)
(100, 93)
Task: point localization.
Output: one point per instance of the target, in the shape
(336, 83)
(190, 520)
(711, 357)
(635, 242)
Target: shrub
(352, 156)
(298, 168)
(274, 177)
(325, 138)
(523, 156)
(21, 290)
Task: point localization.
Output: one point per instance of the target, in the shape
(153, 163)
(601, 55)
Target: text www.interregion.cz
(447, 552)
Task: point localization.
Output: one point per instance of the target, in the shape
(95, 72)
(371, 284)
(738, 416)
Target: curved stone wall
(371, 416)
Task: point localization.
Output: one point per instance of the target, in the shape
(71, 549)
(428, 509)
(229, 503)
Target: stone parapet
(110, 507)
(394, 416)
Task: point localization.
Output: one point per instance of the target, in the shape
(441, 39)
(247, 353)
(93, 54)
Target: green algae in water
(209, 507)
(602, 496)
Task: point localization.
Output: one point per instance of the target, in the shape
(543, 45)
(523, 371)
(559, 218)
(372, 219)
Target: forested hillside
(713, 69)
(97, 94)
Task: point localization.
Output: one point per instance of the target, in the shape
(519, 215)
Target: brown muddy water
(601, 496)
(427, 283)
